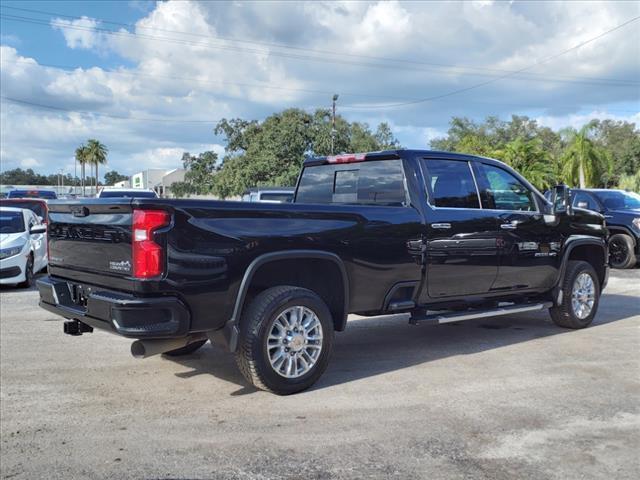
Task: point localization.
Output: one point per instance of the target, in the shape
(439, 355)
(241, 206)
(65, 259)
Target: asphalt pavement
(496, 398)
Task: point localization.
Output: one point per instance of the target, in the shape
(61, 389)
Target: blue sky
(150, 79)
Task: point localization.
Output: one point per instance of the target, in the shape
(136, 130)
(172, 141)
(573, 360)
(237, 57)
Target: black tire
(621, 254)
(192, 347)
(564, 315)
(258, 318)
(28, 272)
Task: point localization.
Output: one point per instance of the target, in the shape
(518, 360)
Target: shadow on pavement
(378, 345)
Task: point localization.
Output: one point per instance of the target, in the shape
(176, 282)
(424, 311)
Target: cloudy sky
(150, 79)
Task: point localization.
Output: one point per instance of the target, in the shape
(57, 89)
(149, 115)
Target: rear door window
(376, 182)
(450, 184)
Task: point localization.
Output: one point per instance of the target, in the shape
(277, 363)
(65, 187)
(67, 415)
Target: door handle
(509, 226)
(441, 226)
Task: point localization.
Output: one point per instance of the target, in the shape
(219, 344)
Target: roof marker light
(347, 158)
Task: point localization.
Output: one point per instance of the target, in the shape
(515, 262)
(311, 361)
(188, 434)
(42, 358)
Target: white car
(23, 246)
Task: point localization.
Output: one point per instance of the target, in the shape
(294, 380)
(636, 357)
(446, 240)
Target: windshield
(128, 194)
(618, 200)
(36, 207)
(11, 222)
(32, 194)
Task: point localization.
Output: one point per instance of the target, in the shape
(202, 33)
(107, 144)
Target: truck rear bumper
(135, 317)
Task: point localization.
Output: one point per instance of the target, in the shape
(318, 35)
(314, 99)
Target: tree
(96, 154)
(81, 156)
(199, 175)
(583, 159)
(271, 152)
(529, 158)
(113, 177)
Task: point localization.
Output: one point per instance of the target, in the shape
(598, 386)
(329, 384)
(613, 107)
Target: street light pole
(333, 123)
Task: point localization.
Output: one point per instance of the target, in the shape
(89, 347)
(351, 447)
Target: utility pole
(333, 122)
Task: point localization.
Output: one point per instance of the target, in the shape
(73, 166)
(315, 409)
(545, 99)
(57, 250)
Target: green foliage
(597, 155)
(271, 152)
(199, 176)
(630, 182)
(113, 177)
(18, 176)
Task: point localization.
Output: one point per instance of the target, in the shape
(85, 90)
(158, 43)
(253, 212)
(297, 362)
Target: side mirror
(37, 229)
(583, 205)
(561, 199)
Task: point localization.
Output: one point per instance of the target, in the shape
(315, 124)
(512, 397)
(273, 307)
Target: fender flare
(570, 244)
(231, 330)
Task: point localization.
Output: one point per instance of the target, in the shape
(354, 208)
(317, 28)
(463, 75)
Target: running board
(470, 315)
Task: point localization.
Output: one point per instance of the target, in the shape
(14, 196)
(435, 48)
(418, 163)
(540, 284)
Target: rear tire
(286, 336)
(28, 273)
(186, 350)
(621, 254)
(581, 296)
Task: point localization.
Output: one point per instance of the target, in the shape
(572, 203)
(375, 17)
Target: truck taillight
(147, 255)
(347, 158)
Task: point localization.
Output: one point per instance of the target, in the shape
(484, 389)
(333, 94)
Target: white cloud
(579, 119)
(78, 33)
(30, 163)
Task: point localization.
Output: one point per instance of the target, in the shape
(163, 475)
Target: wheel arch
(619, 229)
(593, 250)
(320, 271)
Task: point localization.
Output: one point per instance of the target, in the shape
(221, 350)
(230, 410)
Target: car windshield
(33, 194)
(616, 199)
(36, 207)
(11, 222)
(128, 194)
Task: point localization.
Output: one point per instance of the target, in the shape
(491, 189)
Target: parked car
(444, 237)
(23, 246)
(36, 193)
(269, 194)
(126, 193)
(36, 205)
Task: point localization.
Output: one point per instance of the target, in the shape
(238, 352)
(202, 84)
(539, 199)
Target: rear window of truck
(376, 182)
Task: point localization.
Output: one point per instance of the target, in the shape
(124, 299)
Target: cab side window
(500, 190)
(450, 184)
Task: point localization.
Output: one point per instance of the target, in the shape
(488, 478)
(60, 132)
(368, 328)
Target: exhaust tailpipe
(148, 348)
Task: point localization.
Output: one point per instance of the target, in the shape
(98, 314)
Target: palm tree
(530, 159)
(82, 158)
(583, 160)
(96, 155)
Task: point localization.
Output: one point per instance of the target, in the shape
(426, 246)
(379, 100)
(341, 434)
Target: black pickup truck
(444, 237)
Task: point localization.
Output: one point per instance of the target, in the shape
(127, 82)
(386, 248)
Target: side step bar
(470, 315)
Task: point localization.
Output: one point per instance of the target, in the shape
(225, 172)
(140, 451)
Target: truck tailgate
(91, 236)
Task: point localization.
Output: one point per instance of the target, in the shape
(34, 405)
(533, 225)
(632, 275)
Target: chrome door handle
(509, 226)
(442, 226)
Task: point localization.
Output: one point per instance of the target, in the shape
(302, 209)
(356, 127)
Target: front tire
(28, 274)
(621, 253)
(581, 296)
(286, 336)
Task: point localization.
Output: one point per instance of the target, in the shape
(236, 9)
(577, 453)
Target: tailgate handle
(79, 211)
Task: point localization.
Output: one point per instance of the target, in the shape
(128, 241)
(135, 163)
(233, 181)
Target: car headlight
(10, 252)
(636, 222)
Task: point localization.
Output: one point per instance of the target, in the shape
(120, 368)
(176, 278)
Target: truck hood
(632, 212)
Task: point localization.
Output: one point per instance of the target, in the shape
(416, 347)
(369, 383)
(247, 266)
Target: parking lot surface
(497, 398)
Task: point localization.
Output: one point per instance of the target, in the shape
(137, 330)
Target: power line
(416, 64)
(101, 114)
(501, 77)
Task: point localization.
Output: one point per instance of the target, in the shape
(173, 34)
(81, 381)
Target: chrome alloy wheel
(583, 295)
(294, 342)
